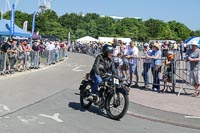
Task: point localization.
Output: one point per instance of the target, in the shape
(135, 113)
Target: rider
(96, 74)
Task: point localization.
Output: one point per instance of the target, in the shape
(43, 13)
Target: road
(44, 101)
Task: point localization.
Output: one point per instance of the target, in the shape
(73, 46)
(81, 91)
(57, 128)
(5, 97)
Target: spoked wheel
(116, 109)
(84, 94)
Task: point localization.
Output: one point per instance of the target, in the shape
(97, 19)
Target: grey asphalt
(44, 101)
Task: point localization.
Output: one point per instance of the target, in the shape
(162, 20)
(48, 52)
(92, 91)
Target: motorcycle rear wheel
(84, 93)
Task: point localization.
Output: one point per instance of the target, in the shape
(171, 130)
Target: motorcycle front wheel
(116, 109)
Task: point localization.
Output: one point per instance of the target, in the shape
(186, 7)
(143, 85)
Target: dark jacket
(106, 62)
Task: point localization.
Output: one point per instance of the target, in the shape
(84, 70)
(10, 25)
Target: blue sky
(185, 11)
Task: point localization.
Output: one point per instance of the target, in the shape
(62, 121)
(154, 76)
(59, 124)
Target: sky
(184, 11)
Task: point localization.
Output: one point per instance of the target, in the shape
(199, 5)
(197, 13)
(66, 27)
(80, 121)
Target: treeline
(92, 24)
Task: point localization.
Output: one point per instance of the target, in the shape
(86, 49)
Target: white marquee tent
(87, 39)
(110, 39)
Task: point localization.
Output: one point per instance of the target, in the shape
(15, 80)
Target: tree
(157, 29)
(20, 17)
(180, 29)
(70, 21)
(196, 33)
(92, 24)
(47, 23)
(133, 28)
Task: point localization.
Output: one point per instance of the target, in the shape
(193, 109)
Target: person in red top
(165, 49)
(27, 49)
(25, 46)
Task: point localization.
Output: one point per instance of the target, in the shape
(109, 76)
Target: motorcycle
(112, 95)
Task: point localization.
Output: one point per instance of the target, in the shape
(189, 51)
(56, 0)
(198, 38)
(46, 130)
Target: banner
(33, 23)
(12, 20)
(25, 25)
(37, 33)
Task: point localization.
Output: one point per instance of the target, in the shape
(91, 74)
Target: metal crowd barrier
(183, 76)
(162, 72)
(2, 63)
(89, 50)
(27, 60)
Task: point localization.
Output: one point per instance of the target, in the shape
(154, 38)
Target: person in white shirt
(132, 56)
(57, 49)
(50, 46)
(146, 64)
(115, 54)
(50, 53)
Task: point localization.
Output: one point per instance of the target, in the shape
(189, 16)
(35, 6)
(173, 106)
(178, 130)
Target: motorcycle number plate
(116, 81)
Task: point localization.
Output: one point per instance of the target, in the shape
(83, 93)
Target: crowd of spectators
(20, 55)
(154, 56)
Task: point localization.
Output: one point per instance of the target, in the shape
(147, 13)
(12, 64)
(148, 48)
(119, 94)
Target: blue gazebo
(4, 29)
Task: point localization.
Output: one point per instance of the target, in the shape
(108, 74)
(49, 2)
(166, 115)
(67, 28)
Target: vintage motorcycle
(112, 95)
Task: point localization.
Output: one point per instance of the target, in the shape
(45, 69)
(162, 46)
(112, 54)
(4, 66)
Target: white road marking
(27, 120)
(7, 117)
(54, 117)
(192, 117)
(41, 123)
(77, 69)
(4, 109)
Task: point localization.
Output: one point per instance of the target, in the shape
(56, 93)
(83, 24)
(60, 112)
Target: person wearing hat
(193, 56)
(169, 70)
(156, 57)
(146, 64)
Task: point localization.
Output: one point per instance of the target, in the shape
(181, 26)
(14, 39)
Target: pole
(1, 14)
(33, 23)
(12, 20)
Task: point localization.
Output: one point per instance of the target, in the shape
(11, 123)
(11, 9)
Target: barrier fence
(174, 77)
(21, 61)
(2, 63)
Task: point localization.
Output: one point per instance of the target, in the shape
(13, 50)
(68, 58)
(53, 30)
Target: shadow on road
(92, 109)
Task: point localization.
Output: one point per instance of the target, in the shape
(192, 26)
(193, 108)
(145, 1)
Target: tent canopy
(110, 39)
(87, 39)
(4, 31)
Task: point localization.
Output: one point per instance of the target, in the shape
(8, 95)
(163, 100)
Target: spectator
(132, 55)
(124, 67)
(50, 53)
(27, 49)
(8, 48)
(13, 55)
(20, 57)
(165, 49)
(57, 49)
(194, 59)
(36, 54)
(169, 70)
(156, 66)
(146, 65)
(181, 49)
(116, 53)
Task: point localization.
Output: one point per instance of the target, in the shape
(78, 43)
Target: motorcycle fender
(83, 82)
(124, 91)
